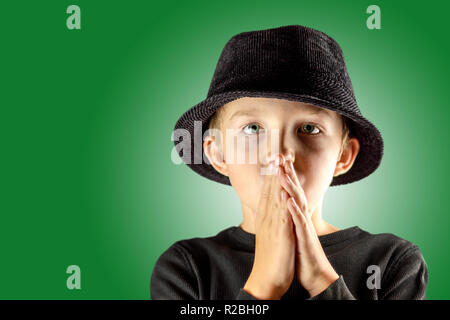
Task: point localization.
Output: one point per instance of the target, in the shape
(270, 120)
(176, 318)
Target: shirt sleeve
(338, 290)
(173, 277)
(407, 278)
(244, 295)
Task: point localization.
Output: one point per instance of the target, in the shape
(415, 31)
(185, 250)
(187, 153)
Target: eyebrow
(315, 110)
(318, 110)
(241, 113)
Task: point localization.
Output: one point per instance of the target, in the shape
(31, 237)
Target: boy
(286, 94)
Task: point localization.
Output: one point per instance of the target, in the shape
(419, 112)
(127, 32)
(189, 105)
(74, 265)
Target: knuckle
(266, 195)
(304, 222)
(286, 218)
(297, 193)
(303, 208)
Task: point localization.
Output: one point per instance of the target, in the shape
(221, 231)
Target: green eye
(252, 126)
(310, 129)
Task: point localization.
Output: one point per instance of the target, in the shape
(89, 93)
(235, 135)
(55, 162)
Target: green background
(87, 116)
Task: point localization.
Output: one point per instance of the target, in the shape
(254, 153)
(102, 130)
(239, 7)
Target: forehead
(250, 106)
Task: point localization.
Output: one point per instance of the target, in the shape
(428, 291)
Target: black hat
(291, 62)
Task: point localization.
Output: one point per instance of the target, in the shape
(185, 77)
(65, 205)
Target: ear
(348, 156)
(214, 153)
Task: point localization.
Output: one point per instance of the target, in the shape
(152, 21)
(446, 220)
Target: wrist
(261, 290)
(322, 283)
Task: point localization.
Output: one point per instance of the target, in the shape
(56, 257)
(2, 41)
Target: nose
(282, 157)
(282, 148)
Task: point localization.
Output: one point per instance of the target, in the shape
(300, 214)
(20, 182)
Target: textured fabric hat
(291, 62)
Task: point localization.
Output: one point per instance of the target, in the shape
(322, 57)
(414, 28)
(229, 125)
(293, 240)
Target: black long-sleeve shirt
(217, 267)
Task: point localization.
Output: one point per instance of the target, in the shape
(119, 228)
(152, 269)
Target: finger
(276, 194)
(283, 215)
(294, 191)
(287, 185)
(290, 170)
(275, 204)
(304, 226)
(267, 184)
(301, 196)
(297, 215)
(266, 196)
(284, 197)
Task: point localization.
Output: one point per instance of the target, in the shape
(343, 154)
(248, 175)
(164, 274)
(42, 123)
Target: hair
(346, 133)
(216, 122)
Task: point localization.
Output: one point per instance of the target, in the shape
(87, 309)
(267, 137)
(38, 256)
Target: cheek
(317, 170)
(318, 167)
(319, 161)
(238, 150)
(246, 181)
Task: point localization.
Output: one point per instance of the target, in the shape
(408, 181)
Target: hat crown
(292, 59)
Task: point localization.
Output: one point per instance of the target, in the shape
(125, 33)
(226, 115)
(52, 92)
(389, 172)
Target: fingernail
(280, 160)
(283, 195)
(287, 166)
(291, 165)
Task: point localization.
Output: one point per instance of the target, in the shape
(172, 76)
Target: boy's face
(308, 135)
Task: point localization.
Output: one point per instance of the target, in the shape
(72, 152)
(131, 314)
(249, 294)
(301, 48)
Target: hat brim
(370, 139)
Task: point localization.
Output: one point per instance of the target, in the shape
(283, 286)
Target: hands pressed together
(286, 242)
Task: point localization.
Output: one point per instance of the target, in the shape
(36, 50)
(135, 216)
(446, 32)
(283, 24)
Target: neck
(321, 226)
